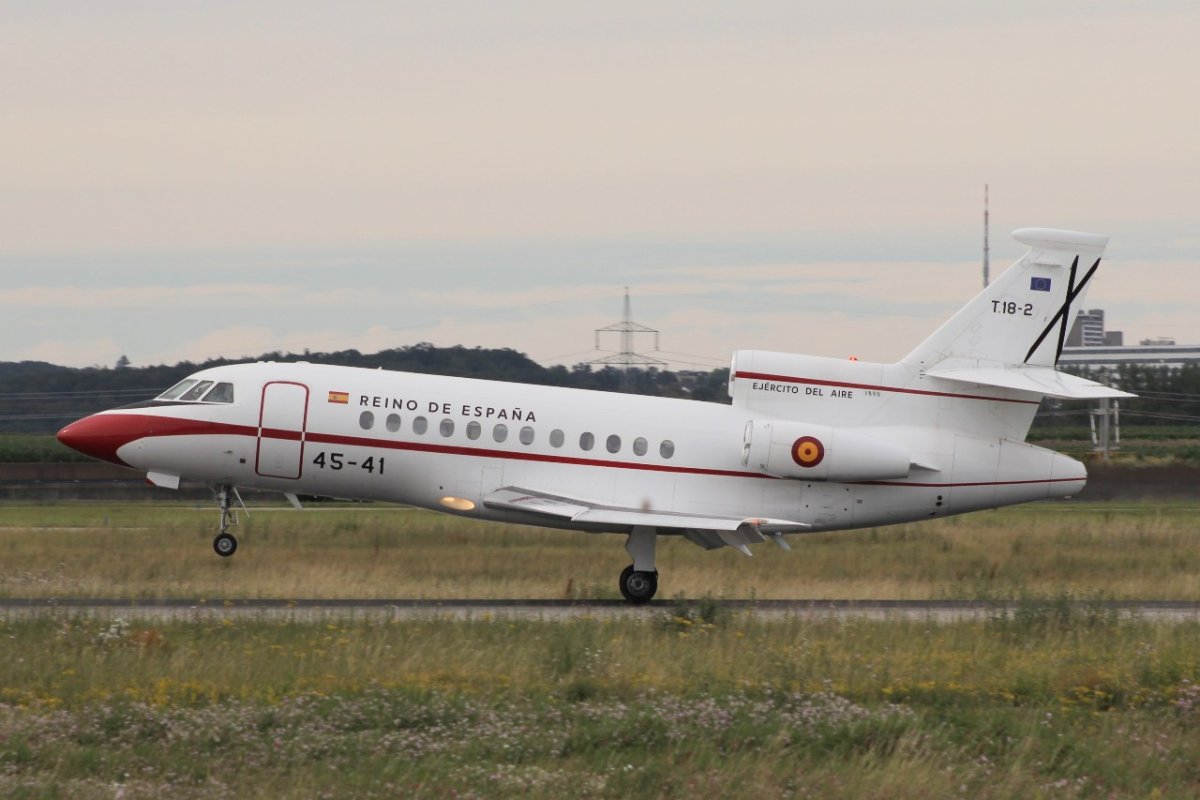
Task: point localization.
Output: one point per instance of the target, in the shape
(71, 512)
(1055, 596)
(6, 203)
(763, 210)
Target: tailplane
(1012, 333)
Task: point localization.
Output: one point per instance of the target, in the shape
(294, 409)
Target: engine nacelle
(790, 449)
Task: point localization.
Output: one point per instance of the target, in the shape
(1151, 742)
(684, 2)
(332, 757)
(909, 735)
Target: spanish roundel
(807, 451)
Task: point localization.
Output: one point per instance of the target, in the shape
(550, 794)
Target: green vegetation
(1142, 551)
(40, 397)
(1040, 703)
(1056, 697)
(1140, 444)
(36, 448)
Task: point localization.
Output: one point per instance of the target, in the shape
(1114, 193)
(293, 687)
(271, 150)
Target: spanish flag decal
(339, 397)
(807, 451)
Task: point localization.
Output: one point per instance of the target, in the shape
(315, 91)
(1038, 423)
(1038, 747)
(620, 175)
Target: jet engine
(791, 449)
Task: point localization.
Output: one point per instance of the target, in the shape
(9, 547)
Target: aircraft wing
(705, 530)
(1042, 380)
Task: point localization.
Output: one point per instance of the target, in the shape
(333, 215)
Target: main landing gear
(639, 581)
(225, 543)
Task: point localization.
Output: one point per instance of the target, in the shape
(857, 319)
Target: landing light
(458, 503)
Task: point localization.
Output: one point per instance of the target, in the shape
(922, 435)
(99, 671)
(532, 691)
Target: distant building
(1088, 330)
(1088, 344)
(1146, 355)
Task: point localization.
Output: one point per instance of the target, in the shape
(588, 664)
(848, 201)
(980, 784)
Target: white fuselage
(447, 443)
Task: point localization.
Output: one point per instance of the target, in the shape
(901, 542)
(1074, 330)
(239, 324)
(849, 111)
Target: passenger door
(281, 427)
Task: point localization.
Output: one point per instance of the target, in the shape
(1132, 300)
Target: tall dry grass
(1146, 551)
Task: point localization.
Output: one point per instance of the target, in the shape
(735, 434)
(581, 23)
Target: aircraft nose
(102, 435)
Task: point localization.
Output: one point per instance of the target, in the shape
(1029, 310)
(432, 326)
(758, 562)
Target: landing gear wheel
(638, 587)
(225, 544)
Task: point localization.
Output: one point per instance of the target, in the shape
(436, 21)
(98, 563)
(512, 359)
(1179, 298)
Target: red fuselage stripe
(155, 426)
(764, 376)
(488, 452)
(278, 433)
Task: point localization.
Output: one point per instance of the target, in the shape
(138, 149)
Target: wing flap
(512, 498)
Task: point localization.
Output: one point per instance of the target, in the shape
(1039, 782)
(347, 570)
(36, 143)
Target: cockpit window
(177, 389)
(221, 393)
(194, 390)
(197, 391)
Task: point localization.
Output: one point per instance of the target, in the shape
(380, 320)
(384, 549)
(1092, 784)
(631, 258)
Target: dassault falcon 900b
(808, 444)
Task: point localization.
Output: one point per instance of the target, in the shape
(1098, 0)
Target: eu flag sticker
(1039, 284)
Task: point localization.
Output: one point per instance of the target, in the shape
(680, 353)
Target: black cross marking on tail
(1064, 312)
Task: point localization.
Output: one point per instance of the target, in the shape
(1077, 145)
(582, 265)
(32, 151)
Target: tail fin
(1023, 317)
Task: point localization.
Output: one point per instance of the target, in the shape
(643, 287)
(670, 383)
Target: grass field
(1056, 697)
(1044, 702)
(1138, 551)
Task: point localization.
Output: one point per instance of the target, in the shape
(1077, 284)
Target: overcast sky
(182, 181)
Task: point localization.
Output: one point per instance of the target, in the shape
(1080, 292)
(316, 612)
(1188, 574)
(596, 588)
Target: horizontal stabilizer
(1050, 239)
(512, 498)
(1038, 380)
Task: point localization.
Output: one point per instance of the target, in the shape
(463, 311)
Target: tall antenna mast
(627, 357)
(985, 236)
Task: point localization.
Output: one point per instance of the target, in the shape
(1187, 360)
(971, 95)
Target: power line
(627, 357)
(1159, 415)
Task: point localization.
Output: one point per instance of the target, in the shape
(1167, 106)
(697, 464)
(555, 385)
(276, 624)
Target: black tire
(638, 587)
(225, 544)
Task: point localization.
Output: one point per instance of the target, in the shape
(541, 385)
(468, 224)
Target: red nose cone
(101, 435)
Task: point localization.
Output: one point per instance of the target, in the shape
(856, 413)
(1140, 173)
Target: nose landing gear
(225, 544)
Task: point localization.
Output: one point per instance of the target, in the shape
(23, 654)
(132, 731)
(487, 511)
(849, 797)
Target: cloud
(199, 128)
(258, 295)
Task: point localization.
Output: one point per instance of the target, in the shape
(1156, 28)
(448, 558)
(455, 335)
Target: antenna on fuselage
(986, 277)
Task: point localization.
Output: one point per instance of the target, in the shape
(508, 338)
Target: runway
(552, 610)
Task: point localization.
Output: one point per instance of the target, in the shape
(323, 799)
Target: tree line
(1165, 395)
(39, 397)
(36, 397)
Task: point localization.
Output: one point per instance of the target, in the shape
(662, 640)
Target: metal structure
(986, 267)
(1106, 427)
(627, 357)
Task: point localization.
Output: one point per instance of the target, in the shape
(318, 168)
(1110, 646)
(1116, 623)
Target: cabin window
(221, 393)
(197, 391)
(526, 435)
(557, 438)
(640, 446)
(366, 420)
(666, 449)
(586, 441)
(473, 430)
(393, 422)
(613, 444)
(420, 425)
(500, 432)
(177, 389)
(447, 427)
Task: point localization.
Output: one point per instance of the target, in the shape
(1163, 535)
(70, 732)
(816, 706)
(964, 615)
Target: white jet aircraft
(809, 443)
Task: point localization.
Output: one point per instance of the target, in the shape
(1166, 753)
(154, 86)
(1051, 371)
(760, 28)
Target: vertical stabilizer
(1022, 318)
